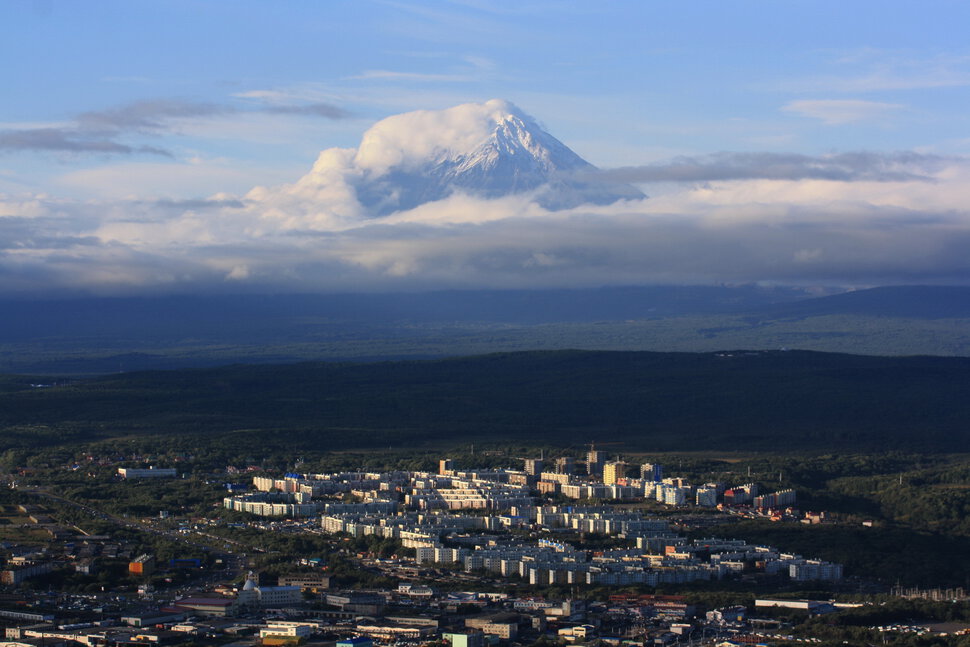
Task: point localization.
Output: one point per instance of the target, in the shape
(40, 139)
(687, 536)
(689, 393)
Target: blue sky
(130, 102)
(620, 82)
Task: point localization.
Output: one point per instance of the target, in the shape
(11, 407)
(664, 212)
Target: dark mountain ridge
(236, 314)
(101, 335)
(232, 315)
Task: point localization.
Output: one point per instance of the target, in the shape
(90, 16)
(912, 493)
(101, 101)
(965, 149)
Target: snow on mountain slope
(486, 150)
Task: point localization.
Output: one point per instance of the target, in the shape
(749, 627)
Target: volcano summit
(486, 150)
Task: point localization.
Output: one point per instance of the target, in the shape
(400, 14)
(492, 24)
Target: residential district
(490, 556)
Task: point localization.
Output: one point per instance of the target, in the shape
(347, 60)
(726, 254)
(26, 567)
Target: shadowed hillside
(741, 400)
(108, 335)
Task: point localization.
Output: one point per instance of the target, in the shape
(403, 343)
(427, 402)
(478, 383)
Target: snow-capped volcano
(486, 150)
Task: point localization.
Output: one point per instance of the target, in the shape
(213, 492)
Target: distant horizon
(232, 291)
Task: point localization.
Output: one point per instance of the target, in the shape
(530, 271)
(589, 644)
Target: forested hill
(671, 401)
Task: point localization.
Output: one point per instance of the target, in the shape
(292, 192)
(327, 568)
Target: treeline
(856, 626)
(888, 553)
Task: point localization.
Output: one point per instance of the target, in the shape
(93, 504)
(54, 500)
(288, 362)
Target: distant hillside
(739, 400)
(98, 336)
(904, 301)
(242, 317)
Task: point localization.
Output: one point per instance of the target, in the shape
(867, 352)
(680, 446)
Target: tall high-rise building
(706, 496)
(446, 466)
(613, 471)
(533, 466)
(594, 461)
(565, 465)
(651, 472)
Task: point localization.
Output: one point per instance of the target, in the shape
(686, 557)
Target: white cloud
(138, 180)
(238, 273)
(415, 137)
(882, 218)
(874, 70)
(389, 75)
(836, 112)
(285, 238)
(460, 208)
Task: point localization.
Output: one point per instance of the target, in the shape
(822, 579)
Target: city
(568, 550)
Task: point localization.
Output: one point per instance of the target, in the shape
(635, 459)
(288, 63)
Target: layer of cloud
(71, 140)
(840, 167)
(164, 114)
(389, 75)
(318, 109)
(837, 112)
(850, 218)
(148, 115)
(105, 132)
(875, 70)
(313, 236)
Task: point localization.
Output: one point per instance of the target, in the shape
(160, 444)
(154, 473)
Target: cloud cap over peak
(413, 138)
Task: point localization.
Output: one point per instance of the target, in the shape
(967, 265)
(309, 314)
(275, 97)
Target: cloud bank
(104, 131)
(841, 111)
(850, 218)
(841, 167)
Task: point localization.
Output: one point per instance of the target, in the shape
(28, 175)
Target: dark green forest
(765, 400)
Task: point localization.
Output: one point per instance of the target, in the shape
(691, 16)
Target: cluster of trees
(889, 553)
(857, 626)
(145, 498)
